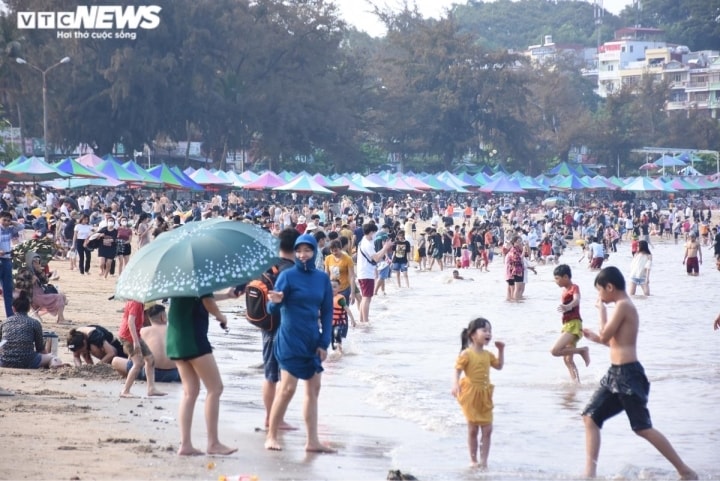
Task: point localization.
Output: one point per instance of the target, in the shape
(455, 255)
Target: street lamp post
(44, 72)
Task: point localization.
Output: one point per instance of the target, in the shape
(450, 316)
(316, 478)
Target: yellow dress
(476, 392)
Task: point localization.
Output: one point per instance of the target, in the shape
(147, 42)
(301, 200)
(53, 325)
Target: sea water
(386, 403)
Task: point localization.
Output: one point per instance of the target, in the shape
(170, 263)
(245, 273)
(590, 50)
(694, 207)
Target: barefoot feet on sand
(272, 445)
(319, 448)
(220, 449)
(284, 426)
(156, 393)
(189, 451)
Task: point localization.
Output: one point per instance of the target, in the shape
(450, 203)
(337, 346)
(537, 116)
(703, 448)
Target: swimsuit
(161, 375)
(573, 327)
(624, 387)
(188, 323)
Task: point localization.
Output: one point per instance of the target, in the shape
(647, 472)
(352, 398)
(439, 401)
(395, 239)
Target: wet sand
(70, 423)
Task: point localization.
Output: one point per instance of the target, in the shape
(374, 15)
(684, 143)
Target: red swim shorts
(367, 287)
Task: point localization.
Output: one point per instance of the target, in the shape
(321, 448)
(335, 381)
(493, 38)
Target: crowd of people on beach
(335, 257)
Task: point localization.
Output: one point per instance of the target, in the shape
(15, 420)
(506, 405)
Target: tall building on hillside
(694, 77)
(549, 52)
(629, 47)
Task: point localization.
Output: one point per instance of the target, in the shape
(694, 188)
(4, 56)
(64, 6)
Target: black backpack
(256, 298)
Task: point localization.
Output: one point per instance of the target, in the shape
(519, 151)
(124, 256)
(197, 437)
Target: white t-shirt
(597, 250)
(83, 231)
(365, 270)
(640, 265)
(49, 200)
(532, 239)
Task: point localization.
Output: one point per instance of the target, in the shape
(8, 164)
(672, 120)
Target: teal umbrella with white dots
(196, 259)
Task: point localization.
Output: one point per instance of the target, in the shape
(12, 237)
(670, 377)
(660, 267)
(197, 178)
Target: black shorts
(270, 364)
(511, 282)
(124, 249)
(623, 388)
(338, 333)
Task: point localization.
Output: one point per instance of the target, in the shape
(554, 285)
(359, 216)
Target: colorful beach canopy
(111, 173)
(303, 183)
(503, 185)
(33, 169)
(267, 180)
(75, 169)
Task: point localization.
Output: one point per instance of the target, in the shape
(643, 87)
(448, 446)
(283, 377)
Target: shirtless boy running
(620, 334)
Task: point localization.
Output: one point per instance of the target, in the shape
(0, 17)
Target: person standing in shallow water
(300, 347)
(640, 269)
(693, 256)
(625, 386)
(474, 391)
(566, 345)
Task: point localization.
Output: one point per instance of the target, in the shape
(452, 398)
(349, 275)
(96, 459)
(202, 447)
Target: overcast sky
(356, 12)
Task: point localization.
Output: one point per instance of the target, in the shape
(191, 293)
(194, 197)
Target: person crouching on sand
(136, 349)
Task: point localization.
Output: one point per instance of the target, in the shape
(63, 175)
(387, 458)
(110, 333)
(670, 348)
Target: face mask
(111, 224)
(124, 222)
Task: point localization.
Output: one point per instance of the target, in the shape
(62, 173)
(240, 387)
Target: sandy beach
(71, 424)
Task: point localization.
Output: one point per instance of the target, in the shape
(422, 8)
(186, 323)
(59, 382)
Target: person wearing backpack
(254, 311)
(300, 347)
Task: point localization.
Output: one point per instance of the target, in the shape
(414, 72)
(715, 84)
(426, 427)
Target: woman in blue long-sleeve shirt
(301, 344)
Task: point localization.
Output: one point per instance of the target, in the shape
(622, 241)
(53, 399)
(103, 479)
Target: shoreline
(70, 423)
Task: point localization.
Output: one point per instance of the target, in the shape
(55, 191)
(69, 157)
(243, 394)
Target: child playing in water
(474, 391)
(625, 386)
(465, 257)
(341, 313)
(565, 346)
(457, 277)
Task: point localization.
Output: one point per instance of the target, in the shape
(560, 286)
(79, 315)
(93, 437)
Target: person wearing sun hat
(33, 280)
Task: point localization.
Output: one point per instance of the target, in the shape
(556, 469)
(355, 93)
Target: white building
(626, 52)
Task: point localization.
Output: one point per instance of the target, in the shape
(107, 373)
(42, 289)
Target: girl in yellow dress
(474, 391)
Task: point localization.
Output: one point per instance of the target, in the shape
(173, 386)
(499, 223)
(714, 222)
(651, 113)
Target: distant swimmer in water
(457, 277)
(625, 386)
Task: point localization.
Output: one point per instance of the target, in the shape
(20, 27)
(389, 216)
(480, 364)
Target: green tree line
(288, 81)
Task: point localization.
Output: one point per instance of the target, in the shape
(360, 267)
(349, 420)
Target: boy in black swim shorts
(624, 387)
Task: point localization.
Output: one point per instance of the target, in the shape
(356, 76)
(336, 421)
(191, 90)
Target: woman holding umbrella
(188, 265)
(300, 347)
(188, 346)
